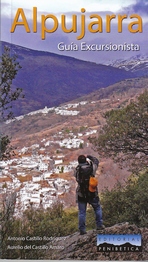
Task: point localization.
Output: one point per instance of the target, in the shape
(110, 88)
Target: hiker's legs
(98, 211)
(82, 215)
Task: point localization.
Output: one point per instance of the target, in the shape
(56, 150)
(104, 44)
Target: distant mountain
(49, 79)
(136, 64)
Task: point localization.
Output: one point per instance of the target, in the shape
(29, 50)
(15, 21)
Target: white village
(31, 174)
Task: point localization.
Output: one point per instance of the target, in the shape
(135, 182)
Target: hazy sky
(69, 7)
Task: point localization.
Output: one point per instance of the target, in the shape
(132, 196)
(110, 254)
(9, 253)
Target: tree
(8, 70)
(125, 134)
(6, 219)
(127, 203)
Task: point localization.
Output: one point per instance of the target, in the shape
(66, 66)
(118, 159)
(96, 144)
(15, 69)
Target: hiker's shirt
(79, 194)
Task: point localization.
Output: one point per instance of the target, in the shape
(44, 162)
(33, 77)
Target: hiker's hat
(93, 182)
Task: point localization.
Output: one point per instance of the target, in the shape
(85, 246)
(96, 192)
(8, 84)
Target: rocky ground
(84, 247)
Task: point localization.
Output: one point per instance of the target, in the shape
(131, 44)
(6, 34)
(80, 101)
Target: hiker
(87, 191)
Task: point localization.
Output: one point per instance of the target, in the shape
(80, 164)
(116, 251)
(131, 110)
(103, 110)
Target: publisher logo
(119, 243)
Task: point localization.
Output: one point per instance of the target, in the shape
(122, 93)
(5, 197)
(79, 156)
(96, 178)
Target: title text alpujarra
(95, 26)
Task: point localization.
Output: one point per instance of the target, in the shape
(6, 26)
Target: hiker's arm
(74, 173)
(93, 159)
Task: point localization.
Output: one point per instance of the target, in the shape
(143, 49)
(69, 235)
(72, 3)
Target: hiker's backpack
(83, 174)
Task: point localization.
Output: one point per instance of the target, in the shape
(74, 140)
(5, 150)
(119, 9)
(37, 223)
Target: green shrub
(127, 204)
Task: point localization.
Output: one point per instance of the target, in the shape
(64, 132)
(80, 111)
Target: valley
(47, 142)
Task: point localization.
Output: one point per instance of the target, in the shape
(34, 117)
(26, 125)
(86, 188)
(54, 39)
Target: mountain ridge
(49, 79)
(120, 89)
(136, 64)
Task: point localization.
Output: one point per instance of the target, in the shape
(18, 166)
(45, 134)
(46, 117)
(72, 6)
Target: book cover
(73, 91)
